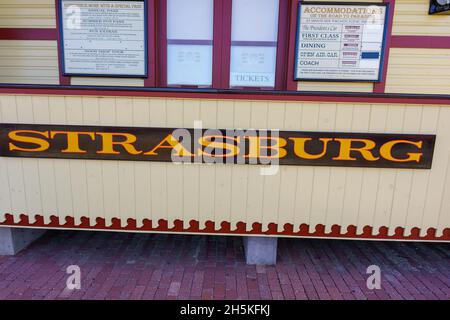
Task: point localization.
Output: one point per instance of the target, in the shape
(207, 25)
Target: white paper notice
(104, 38)
(340, 42)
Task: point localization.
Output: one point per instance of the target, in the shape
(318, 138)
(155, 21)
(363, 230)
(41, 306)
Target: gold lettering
(365, 151)
(386, 151)
(108, 143)
(299, 148)
(255, 147)
(16, 136)
(170, 142)
(73, 140)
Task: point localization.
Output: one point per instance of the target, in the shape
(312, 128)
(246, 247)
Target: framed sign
(103, 38)
(340, 41)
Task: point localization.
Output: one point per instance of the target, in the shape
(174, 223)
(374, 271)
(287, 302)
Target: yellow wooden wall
(102, 81)
(411, 18)
(311, 195)
(29, 62)
(27, 14)
(335, 86)
(419, 71)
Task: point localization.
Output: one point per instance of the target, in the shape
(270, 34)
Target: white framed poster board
(103, 38)
(340, 41)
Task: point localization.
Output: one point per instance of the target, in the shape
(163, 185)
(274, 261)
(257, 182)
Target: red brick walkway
(142, 266)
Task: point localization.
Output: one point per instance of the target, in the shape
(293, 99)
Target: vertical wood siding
(311, 195)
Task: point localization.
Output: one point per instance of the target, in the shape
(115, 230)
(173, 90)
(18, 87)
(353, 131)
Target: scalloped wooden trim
(210, 227)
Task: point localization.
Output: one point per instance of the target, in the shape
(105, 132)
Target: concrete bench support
(13, 240)
(260, 250)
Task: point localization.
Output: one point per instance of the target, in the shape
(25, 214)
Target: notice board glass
(103, 38)
(340, 41)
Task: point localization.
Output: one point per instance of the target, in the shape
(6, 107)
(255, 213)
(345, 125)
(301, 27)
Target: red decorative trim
(228, 94)
(380, 87)
(425, 42)
(210, 227)
(28, 34)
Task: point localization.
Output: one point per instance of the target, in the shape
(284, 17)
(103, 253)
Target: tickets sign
(340, 42)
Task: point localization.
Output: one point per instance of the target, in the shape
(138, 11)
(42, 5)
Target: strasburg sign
(218, 146)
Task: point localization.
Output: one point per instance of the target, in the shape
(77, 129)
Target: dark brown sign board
(246, 146)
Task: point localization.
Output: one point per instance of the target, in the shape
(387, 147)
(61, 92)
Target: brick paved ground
(142, 266)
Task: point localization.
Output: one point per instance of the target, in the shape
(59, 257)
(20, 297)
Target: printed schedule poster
(104, 38)
(340, 42)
